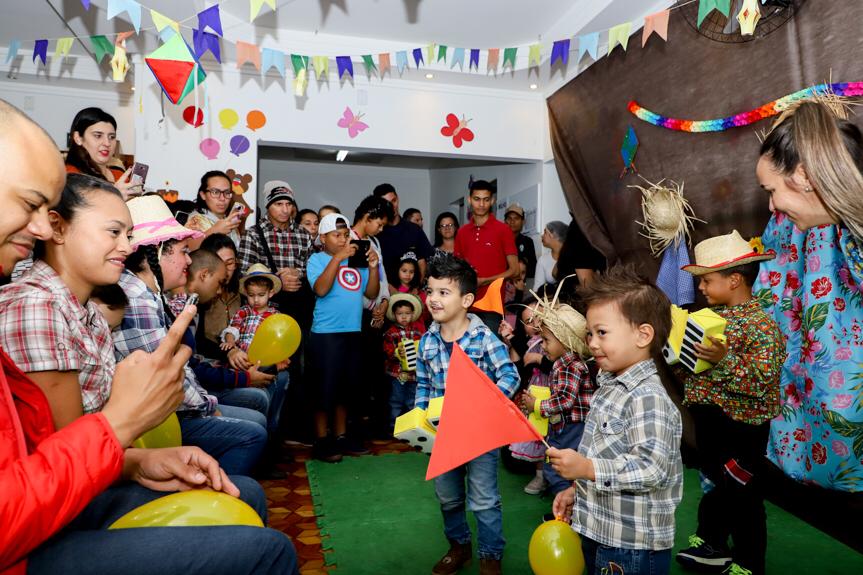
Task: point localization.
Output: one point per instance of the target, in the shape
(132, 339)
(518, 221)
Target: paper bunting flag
(273, 59)
(430, 53)
(204, 41)
(119, 63)
(474, 59)
(369, 63)
(255, 7)
(418, 57)
(173, 64)
(619, 35)
(85, 4)
(12, 52)
(628, 149)
(560, 51)
(248, 53)
(493, 59)
(321, 65)
(210, 18)
(101, 46)
(401, 60)
(130, 7)
(705, 7)
(40, 49)
(299, 63)
(345, 65)
(120, 39)
(509, 57)
(301, 82)
(656, 23)
(383, 63)
(164, 25)
(457, 59)
(441, 54)
(588, 44)
(63, 47)
(533, 55)
(748, 17)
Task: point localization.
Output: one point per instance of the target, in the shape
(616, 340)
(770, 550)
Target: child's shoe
(489, 567)
(458, 556)
(536, 485)
(735, 569)
(702, 556)
(325, 450)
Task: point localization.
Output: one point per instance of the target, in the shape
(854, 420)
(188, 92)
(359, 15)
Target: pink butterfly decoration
(352, 123)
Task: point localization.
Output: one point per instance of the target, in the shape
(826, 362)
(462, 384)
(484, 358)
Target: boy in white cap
(732, 405)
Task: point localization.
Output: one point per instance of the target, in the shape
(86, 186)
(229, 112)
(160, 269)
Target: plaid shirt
(144, 327)
(745, 383)
(245, 323)
(392, 337)
(291, 247)
(632, 436)
(480, 345)
(571, 390)
(43, 327)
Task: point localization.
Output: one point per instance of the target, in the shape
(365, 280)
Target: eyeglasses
(215, 193)
(446, 226)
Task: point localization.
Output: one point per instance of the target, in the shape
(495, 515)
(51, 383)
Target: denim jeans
(87, 546)
(483, 498)
(276, 393)
(249, 397)
(602, 560)
(237, 444)
(567, 438)
(244, 413)
(402, 397)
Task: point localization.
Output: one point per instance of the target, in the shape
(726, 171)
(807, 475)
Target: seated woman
(214, 209)
(216, 316)
(92, 145)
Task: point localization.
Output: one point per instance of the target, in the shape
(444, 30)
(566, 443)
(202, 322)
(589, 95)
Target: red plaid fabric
(43, 327)
(392, 337)
(245, 323)
(571, 390)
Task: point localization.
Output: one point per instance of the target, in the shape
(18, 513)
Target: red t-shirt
(485, 247)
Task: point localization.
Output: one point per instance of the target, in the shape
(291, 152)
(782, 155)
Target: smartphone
(139, 173)
(238, 211)
(360, 259)
(191, 300)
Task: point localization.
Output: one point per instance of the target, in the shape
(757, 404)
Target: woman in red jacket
(50, 480)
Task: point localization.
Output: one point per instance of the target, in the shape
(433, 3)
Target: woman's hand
(176, 469)
(126, 187)
(239, 360)
(224, 226)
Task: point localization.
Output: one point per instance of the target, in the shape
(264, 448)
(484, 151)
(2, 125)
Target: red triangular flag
(476, 417)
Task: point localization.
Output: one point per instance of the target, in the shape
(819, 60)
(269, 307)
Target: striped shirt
(632, 436)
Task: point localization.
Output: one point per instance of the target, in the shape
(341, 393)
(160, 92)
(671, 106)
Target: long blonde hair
(817, 134)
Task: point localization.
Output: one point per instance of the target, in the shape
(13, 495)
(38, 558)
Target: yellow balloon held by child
(276, 339)
(195, 508)
(555, 549)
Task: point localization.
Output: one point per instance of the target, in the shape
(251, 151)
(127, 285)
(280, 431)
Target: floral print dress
(814, 290)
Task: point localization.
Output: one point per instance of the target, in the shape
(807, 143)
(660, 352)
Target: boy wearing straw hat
(732, 405)
(259, 285)
(404, 311)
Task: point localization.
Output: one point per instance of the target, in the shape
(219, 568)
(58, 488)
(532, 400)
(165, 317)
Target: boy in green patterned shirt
(732, 405)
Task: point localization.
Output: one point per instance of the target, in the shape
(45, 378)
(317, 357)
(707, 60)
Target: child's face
(114, 316)
(527, 319)
(309, 222)
(445, 300)
(615, 343)
(258, 296)
(334, 241)
(551, 345)
(406, 274)
(208, 284)
(404, 315)
(717, 288)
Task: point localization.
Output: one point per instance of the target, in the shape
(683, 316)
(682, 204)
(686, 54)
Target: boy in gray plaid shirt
(627, 470)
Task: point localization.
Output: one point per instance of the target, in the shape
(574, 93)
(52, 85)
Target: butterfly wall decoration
(457, 129)
(352, 123)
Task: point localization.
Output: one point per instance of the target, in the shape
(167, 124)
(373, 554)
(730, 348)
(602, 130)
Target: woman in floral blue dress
(811, 165)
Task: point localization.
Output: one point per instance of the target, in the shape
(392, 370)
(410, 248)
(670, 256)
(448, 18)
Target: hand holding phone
(139, 174)
(360, 258)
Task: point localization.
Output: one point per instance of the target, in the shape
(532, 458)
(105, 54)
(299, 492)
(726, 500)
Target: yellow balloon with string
(276, 339)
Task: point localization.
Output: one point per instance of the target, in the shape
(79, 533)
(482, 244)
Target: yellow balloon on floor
(555, 549)
(276, 339)
(166, 434)
(196, 508)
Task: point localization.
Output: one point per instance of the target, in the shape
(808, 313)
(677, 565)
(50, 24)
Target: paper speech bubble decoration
(193, 116)
(210, 148)
(255, 119)
(228, 118)
(239, 145)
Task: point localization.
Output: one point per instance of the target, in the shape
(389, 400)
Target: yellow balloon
(555, 549)
(228, 118)
(276, 339)
(166, 434)
(196, 508)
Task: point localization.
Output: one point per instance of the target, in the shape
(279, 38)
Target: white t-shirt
(544, 267)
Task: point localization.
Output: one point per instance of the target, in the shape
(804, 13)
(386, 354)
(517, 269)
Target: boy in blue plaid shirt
(452, 286)
(627, 470)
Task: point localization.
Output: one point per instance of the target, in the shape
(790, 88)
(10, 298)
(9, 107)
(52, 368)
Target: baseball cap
(514, 208)
(276, 190)
(330, 223)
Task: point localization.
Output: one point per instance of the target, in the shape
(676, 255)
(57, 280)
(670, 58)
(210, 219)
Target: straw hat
(564, 322)
(667, 215)
(411, 299)
(724, 252)
(260, 271)
(153, 222)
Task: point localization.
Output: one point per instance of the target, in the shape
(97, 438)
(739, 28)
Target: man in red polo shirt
(487, 244)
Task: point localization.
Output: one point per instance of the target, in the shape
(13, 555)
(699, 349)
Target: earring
(807, 190)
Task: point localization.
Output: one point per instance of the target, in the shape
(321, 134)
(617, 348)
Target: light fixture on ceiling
(429, 76)
(341, 155)
(534, 86)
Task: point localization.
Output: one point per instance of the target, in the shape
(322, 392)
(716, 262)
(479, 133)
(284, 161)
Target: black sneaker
(325, 450)
(350, 446)
(701, 556)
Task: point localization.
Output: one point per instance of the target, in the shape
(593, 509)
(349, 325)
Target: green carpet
(378, 516)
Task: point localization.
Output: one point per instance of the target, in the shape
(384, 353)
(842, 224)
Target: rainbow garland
(767, 110)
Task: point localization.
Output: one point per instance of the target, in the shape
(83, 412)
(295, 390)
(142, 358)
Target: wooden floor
(290, 504)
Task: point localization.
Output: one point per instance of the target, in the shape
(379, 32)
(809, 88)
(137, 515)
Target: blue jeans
(87, 546)
(254, 398)
(244, 413)
(483, 498)
(598, 560)
(237, 444)
(568, 437)
(276, 393)
(402, 397)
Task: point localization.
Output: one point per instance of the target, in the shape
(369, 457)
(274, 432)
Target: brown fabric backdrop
(690, 77)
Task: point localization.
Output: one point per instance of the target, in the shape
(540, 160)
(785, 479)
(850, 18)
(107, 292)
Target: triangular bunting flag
(130, 7)
(493, 59)
(12, 52)
(430, 53)
(173, 64)
(273, 59)
(560, 51)
(164, 25)
(248, 53)
(40, 49)
(476, 418)
(441, 54)
(299, 63)
(63, 47)
(474, 59)
(210, 18)
(321, 65)
(457, 58)
(588, 44)
(533, 55)
(101, 46)
(705, 7)
(418, 57)
(85, 4)
(301, 82)
(255, 7)
(383, 63)
(655, 23)
(509, 55)
(369, 63)
(402, 60)
(204, 41)
(119, 63)
(345, 66)
(619, 35)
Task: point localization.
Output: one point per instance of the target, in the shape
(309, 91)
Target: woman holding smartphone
(92, 145)
(215, 209)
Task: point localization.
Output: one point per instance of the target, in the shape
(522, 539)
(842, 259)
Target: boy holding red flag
(452, 285)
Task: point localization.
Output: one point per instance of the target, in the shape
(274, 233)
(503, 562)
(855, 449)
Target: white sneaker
(536, 486)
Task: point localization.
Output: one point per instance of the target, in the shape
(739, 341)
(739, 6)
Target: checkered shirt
(392, 337)
(291, 247)
(480, 345)
(43, 327)
(571, 390)
(632, 436)
(245, 323)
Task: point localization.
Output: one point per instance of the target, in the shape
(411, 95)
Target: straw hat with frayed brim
(667, 215)
(153, 222)
(260, 271)
(564, 322)
(724, 252)
(411, 299)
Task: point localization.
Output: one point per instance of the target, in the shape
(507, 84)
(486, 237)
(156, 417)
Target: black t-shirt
(527, 251)
(398, 240)
(578, 253)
